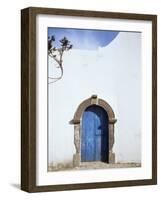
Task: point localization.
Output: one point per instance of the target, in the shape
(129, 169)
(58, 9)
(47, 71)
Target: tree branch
(65, 43)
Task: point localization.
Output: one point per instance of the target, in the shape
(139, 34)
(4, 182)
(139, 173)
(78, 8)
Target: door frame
(77, 122)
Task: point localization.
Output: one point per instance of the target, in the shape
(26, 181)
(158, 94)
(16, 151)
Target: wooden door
(94, 139)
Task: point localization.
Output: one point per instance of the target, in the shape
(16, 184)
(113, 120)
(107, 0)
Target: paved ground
(92, 165)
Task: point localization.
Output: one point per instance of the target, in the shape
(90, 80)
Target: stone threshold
(93, 165)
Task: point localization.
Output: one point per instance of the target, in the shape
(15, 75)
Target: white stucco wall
(114, 74)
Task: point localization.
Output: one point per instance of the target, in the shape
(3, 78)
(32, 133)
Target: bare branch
(54, 57)
(65, 46)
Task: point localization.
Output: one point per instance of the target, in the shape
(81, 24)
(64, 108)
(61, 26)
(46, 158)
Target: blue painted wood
(94, 139)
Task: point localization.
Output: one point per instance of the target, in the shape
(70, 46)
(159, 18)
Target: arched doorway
(78, 126)
(95, 135)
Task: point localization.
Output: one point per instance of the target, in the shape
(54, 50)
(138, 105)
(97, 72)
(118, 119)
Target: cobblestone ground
(92, 165)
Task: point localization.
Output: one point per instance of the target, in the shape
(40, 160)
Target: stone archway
(93, 100)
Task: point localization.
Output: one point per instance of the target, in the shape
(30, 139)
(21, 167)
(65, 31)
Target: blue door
(94, 139)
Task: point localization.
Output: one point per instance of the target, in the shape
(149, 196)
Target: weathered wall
(114, 74)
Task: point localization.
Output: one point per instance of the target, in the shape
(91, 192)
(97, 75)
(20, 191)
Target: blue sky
(83, 38)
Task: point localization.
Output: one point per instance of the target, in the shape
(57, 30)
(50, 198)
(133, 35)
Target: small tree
(57, 54)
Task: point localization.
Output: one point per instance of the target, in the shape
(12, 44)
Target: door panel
(94, 140)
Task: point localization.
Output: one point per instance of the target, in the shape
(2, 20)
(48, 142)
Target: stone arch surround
(93, 100)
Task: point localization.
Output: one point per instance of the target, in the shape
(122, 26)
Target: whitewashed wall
(114, 74)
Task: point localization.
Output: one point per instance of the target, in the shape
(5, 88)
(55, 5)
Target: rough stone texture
(61, 166)
(77, 127)
(111, 157)
(102, 165)
(111, 136)
(92, 165)
(77, 137)
(76, 159)
(81, 108)
(94, 100)
(107, 107)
